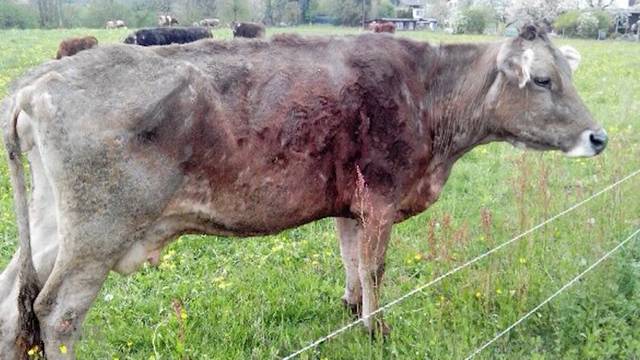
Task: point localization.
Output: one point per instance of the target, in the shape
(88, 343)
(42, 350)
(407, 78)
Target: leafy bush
(605, 21)
(385, 9)
(346, 12)
(588, 25)
(567, 23)
(16, 16)
(474, 20)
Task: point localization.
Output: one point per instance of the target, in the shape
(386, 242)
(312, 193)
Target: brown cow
(246, 138)
(380, 27)
(247, 29)
(72, 46)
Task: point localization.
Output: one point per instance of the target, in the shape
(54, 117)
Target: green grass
(265, 297)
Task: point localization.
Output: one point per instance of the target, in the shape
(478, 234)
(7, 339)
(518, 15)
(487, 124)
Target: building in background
(418, 8)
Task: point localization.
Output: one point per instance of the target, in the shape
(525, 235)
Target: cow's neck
(457, 82)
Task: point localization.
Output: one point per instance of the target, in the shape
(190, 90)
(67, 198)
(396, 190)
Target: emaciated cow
(72, 46)
(380, 27)
(166, 36)
(247, 30)
(215, 137)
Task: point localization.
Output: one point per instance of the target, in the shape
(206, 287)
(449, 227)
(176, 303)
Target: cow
(167, 20)
(247, 29)
(166, 36)
(72, 46)
(380, 27)
(210, 138)
(115, 24)
(209, 22)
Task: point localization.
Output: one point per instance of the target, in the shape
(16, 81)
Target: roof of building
(412, 3)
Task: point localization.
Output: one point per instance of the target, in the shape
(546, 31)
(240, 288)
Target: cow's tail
(28, 335)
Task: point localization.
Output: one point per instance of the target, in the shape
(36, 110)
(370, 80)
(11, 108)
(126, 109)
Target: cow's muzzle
(590, 143)
(598, 140)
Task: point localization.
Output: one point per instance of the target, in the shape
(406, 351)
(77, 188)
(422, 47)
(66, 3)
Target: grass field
(262, 298)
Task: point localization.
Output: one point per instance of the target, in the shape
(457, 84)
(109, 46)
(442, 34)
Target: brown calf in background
(72, 46)
(380, 27)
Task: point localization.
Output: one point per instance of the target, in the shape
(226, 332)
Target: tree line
(140, 13)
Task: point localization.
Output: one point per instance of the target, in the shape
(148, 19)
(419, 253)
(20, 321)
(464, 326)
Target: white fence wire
(421, 288)
(566, 286)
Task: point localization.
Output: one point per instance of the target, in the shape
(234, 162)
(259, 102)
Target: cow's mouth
(531, 144)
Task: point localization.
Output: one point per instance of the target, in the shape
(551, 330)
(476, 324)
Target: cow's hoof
(355, 309)
(379, 330)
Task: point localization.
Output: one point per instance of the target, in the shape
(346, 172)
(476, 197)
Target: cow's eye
(544, 82)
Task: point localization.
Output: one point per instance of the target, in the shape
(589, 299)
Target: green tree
(235, 10)
(14, 15)
(349, 12)
(474, 19)
(567, 23)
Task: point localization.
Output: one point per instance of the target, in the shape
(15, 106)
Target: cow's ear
(518, 66)
(572, 55)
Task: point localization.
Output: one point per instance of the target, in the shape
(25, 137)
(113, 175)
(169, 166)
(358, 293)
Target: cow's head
(131, 39)
(535, 102)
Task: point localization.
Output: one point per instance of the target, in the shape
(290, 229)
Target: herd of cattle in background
(166, 33)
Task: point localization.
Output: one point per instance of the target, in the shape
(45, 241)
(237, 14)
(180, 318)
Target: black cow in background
(247, 29)
(167, 35)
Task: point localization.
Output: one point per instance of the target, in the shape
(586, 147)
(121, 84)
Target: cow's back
(266, 133)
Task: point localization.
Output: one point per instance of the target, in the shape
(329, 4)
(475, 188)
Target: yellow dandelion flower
(183, 314)
(33, 351)
(63, 349)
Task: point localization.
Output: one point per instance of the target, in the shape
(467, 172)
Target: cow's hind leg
(84, 259)
(65, 300)
(44, 258)
(348, 232)
(44, 245)
(372, 246)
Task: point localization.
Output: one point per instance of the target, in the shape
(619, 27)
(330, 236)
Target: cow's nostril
(598, 140)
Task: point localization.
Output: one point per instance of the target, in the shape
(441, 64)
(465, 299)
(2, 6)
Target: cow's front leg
(348, 232)
(372, 246)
